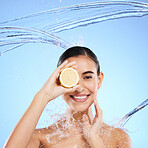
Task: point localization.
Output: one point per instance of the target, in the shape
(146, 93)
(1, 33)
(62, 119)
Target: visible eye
(87, 77)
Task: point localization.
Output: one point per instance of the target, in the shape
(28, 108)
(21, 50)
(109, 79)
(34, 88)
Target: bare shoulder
(43, 137)
(115, 136)
(124, 139)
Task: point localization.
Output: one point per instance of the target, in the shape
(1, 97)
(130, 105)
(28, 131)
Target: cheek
(66, 97)
(92, 86)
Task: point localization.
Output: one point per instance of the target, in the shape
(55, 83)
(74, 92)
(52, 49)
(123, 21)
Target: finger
(97, 108)
(95, 105)
(71, 89)
(86, 127)
(74, 66)
(63, 64)
(96, 124)
(86, 124)
(99, 114)
(58, 69)
(71, 64)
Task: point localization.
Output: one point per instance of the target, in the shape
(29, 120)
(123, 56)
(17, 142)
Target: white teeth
(80, 97)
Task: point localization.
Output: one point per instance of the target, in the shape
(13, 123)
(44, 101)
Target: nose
(80, 88)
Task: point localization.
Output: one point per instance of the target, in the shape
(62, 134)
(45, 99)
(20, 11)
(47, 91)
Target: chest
(76, 141)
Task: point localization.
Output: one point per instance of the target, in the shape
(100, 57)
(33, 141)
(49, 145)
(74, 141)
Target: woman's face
(89, 83)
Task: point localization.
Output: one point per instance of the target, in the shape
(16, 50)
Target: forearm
(24, 129)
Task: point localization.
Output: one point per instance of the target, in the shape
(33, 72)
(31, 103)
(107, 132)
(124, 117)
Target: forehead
(84, 63)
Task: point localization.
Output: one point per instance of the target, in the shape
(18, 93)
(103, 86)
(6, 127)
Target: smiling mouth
(80, 98)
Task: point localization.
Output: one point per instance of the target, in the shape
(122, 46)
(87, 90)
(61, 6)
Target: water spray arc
(45, 31)
(41, 27)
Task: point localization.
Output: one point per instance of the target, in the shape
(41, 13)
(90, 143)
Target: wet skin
(72, 137)
(78, 128)
(79, 103)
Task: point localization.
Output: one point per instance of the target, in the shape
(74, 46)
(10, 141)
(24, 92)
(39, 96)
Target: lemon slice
(69, 77)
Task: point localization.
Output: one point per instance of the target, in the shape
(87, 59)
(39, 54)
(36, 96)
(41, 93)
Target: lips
(80, 98)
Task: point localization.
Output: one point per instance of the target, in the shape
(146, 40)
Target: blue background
(121, 47)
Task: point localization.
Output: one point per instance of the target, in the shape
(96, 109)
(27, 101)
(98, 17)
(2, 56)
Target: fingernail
(74, 66)
(74, 61)
(95, 101)
(84, 116)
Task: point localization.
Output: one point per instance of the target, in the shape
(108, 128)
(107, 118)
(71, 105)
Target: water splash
(41, 27)
(128, 116)
(18, 36)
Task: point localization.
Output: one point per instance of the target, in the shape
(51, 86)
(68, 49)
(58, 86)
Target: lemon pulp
(69, 77)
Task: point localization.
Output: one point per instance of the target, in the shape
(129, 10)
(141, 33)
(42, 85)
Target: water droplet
(1, 53)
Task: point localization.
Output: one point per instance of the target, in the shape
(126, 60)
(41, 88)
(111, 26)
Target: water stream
(41, 27)
(125, 119)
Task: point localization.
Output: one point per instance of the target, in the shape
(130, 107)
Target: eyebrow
(87, 72)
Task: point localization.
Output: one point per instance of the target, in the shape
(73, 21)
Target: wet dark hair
(77, 51)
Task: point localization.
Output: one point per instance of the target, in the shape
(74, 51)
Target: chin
(80, 108)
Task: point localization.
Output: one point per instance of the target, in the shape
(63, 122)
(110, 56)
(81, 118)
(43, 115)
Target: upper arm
(124, 140)
(34, 142)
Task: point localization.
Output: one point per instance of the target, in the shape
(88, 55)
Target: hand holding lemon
(68, 78)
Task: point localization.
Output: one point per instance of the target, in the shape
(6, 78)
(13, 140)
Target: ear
(100, 79)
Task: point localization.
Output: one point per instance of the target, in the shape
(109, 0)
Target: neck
(76, 117)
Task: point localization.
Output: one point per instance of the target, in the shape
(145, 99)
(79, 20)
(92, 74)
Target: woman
(78, 128)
